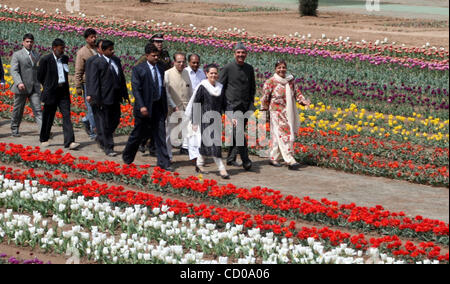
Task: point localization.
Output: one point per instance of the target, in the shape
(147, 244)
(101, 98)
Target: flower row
(155, 236)
(142, 226)
(268, 200)
(340, 44)
(418, 128)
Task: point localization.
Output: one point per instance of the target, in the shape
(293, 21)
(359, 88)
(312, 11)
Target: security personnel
(166, 63)
(164, 57)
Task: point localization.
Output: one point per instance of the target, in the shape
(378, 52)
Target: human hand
(88, 99)
(195, 128)
(305, 102)
(21, 87)
(144, 111)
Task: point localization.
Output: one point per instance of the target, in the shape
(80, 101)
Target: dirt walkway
(413, 199)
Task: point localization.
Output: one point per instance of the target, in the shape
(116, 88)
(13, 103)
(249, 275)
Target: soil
(333, 24)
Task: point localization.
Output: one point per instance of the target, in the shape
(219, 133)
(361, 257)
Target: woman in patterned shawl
(280, 98)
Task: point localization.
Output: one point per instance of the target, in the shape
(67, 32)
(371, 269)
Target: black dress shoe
(234, 164)
(248, 166)
(184, 151)
(294, 167)
(169, 169)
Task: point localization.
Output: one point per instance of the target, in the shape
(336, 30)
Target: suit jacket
(103, 84)
(2, 72)
(24, 71)
(145, 89)
(239, 84)
(47, 75)
(87, 69)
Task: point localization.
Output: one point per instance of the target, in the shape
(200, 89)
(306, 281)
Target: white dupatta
(195, 137)
(291, 105)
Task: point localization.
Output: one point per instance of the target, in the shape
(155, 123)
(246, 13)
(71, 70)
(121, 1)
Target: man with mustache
(26, 86)
(53, 74)
(164, 61)
(238, 80)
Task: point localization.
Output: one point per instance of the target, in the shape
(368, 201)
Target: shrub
(308, 7)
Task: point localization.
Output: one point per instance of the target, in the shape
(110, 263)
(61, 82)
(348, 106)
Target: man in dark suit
(2, 74)
(150, 108)
(239, 84)
(106, 89)
(165, 62)
(53, 73)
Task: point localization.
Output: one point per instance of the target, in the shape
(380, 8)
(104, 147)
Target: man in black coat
(238, 79)
(150, 108)
(106, 89)
(53, 73)
(2, 73)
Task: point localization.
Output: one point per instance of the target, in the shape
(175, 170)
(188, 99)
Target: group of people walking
(169, 96)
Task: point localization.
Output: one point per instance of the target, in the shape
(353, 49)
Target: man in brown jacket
(83, 55)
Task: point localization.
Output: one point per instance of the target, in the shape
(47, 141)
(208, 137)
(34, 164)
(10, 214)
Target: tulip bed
(87, 217)
(257, 198)
(373, 156)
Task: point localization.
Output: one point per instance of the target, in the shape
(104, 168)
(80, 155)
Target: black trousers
(48, 117)
(241, 150)
(155, 127)
(107, 119)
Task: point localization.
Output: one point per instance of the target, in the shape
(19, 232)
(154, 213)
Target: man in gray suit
(26, 85)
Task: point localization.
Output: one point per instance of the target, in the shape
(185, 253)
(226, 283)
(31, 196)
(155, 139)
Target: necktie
(114, 72)
(156, 79)
(33, 59)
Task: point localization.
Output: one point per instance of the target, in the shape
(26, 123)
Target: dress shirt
(196, 77)
(32, 56)
(59, 64)
(153, 69)
(113, 64)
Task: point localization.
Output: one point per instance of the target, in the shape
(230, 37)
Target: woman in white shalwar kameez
(210, 98)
